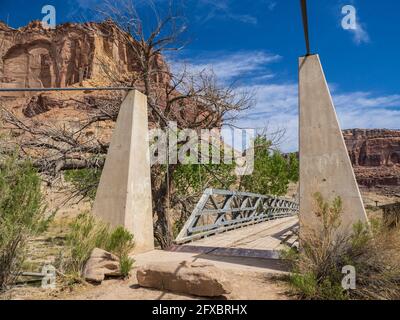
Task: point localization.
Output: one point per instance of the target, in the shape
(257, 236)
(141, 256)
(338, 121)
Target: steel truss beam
(221, 210)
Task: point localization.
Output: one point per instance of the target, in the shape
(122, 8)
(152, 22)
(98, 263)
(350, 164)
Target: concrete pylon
(124, 193)
(325, 166)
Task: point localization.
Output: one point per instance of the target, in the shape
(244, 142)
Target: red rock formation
(88, 54)
(375, 155)
(34, 57)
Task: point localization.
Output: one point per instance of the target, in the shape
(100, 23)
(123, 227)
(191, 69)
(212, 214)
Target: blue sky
(257, 43)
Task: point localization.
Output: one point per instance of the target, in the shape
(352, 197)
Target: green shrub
(120, 242)
(308, 287)
(372, 251)
(87, 233)
(306, 284)
(293, 167)
(22, 215)
(272, 172)
(125, 265)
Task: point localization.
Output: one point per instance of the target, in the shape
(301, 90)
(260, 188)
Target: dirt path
(245, 287)
(247, 284)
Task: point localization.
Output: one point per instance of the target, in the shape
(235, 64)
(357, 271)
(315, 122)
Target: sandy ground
(246, 286)
(250, 278)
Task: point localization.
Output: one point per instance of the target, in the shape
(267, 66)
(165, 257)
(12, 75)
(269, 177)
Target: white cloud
(365, 100)
(222, 9)
(228, 66)
(277, 108)
(360, 35)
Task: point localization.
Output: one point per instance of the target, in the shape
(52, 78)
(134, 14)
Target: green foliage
(360, 238)
(84, 181)
(272, 172)
(308, 287)
(306, 283)
(120, 242)
(293, 167)
(316, 269)
(194, 177)
(328, 213)
(22, 215)
(87, 233)
(125, 265)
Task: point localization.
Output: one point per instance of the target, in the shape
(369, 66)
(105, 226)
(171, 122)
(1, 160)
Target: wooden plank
(263, 236)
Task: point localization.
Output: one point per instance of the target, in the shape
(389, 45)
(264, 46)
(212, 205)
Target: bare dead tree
(195, 101)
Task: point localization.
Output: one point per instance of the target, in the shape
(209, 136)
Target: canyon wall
(375, 155)
(34, 57)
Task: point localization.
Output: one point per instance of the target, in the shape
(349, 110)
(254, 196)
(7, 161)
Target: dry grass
(86, 233)
(374, 252)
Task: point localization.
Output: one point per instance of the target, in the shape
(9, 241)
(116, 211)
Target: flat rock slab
(195, 278)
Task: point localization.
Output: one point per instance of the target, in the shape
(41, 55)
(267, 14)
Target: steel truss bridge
(237, 223)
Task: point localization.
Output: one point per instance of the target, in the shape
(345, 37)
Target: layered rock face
(34, 57)
(375, 155)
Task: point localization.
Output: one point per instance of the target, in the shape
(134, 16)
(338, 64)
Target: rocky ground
(257, 286)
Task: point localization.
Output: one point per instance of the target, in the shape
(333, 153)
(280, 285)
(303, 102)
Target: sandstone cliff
(375, 155)
(34, 57)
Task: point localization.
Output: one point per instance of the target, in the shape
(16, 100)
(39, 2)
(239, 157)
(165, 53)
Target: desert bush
(121, 244)
(372, 250)
(22, 215)
(86, 233)
(125, 265)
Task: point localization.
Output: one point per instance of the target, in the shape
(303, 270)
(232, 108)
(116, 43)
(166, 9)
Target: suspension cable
(305, 24)
(64, 89)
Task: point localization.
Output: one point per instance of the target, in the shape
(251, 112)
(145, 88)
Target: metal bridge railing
(221, 210)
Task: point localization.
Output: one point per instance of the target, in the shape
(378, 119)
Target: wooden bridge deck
(262, 240)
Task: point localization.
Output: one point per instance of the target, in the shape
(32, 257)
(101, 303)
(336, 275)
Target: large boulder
(101, 264)
(194, 278)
